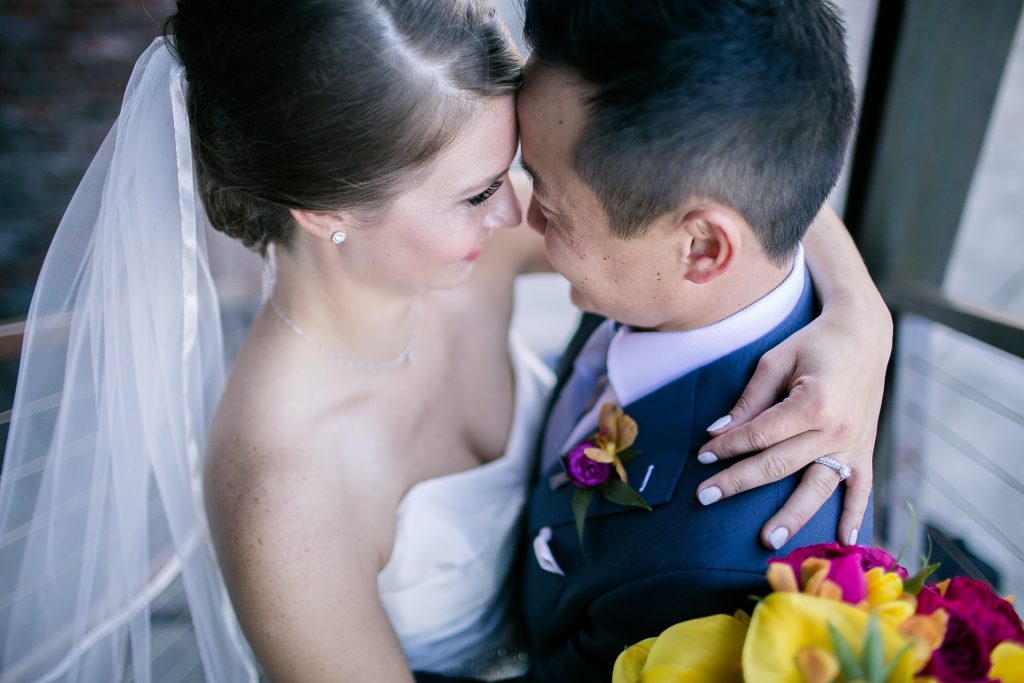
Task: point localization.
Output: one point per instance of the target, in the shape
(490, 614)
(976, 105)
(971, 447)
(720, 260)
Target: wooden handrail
(1002, 330)
(11, 336)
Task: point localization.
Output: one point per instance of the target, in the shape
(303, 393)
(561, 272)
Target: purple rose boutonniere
(598, 464)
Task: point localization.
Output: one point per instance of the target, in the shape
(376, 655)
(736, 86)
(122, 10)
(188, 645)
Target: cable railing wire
(932, 371)
(919, 415)
(931, 476)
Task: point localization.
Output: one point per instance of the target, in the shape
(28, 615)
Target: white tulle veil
(104, 545)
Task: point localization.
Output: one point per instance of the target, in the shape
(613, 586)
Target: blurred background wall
(63, 68)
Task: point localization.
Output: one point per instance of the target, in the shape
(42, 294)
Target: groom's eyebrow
(538, 186)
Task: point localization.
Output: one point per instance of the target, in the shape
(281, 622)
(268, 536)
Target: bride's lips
(471, 256)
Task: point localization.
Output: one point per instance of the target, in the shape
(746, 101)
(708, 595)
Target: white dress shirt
(641, 362)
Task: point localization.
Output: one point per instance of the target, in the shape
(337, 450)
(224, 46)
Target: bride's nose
(503, 210)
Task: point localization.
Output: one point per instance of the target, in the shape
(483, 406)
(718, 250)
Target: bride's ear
(712, 239)
(319, 224)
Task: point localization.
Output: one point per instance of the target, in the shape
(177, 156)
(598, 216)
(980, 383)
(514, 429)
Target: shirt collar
(640, 362)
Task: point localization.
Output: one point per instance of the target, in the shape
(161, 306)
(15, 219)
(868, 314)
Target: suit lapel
(665, 421)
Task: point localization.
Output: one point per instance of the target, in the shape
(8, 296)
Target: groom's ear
(711, 241)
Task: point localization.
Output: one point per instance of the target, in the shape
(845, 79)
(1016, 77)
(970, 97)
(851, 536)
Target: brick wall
(63, 68)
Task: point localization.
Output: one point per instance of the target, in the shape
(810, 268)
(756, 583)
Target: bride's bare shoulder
(278, 444)
(302, 518)
(260, 441)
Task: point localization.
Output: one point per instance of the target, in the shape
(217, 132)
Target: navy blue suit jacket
(639, 572)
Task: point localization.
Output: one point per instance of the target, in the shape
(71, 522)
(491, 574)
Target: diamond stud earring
(338, 236)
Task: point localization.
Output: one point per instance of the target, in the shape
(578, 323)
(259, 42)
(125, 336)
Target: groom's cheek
(535, 217)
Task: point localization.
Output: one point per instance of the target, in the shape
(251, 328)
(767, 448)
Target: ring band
(844, 471)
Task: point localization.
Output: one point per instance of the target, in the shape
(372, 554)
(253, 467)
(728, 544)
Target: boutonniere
(598, 464)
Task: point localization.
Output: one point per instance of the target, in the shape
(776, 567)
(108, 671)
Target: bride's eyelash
(477, 200)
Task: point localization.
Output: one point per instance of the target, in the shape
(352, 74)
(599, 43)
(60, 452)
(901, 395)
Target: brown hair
(748, 102)
(323, 105)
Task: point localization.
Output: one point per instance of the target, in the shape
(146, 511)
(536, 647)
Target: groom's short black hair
(748, 102)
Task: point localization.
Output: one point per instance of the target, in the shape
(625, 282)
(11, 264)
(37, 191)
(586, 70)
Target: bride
(365, 467)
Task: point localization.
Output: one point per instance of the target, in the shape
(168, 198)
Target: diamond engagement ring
(844, 471)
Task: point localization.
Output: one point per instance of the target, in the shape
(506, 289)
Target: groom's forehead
(550, 107)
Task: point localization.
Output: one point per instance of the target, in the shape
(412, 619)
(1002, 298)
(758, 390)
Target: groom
(679, 151)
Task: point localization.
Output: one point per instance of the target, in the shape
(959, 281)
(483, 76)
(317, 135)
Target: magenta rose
(978, 621)
(583, 471)
(847, 565)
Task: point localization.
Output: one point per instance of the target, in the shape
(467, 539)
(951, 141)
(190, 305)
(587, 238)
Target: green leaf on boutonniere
(617, 491)
(626, 456)
(602, 458)
(580, 502)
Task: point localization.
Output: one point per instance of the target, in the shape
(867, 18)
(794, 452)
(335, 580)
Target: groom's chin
(585, 304)
(579, 300)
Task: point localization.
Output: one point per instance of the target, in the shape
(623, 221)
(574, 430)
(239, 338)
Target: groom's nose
(535, 217)
(503, 208)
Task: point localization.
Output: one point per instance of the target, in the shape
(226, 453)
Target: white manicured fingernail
(720, 422)
(709, 495)
(707, 458)
(778, 537)
(853, 537)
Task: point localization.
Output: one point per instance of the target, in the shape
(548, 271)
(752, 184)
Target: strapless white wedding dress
(450, 584)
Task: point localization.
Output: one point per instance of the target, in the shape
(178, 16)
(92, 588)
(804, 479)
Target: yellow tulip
(786, 624)
(883, 586)
(896, 612)
(631, 662)
(1007, 663)
(705, 650)
(886, 597)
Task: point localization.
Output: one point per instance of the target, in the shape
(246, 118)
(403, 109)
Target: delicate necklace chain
(406, 356)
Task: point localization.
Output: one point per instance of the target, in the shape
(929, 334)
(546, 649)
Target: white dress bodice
(448, 585)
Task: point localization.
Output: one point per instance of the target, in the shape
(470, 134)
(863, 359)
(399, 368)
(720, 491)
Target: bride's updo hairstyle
(328, 105)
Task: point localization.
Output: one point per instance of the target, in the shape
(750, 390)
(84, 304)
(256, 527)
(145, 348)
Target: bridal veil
(101, 506)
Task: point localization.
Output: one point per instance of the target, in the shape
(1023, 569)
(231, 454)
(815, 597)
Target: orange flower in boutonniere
(599, 464)
(616, 432)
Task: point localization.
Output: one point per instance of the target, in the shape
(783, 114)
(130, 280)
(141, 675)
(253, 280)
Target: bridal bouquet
(843, 614)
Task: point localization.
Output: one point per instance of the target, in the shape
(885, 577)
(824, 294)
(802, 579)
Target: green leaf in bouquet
(927, 559)
(619, 492)
(910, 532)
(873, 654)
(849, 667)
(890, 668)
(580, 502)
(915, 583)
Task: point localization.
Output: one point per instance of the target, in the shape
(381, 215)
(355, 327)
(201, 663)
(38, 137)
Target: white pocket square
(545, 558)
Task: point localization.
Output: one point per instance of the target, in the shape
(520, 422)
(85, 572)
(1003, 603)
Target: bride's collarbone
(450, 407)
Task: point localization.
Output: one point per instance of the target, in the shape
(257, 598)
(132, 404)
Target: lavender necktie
(577, 394)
